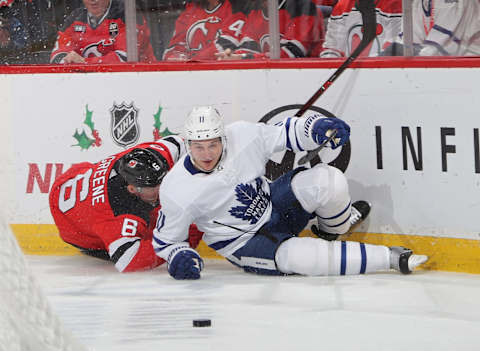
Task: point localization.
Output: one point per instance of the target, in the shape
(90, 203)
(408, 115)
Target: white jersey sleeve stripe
(114, 246)
(127, 256)
(175, 145)
(123, 250)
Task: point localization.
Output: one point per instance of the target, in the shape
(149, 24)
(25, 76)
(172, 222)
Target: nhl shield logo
(125, 129)
(113, 29)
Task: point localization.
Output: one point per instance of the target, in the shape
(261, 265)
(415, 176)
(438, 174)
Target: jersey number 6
(66, 204)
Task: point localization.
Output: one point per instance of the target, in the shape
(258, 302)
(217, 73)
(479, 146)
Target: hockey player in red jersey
(344, 29)
(206, 27)
(301, 30)
(96, 33)
(108, 209)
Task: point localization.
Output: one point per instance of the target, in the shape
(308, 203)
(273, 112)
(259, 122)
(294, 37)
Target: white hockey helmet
(204, 123)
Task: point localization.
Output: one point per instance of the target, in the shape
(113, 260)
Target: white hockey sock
(312, 256)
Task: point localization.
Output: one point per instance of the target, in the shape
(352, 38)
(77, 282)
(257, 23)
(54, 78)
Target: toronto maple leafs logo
(254, 202)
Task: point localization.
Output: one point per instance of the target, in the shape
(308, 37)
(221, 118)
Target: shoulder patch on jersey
(79, 28)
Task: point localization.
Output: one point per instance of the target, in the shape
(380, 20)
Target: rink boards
(414, 151)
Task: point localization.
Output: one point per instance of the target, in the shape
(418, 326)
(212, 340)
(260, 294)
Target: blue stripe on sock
(363, 266)
(343, 259)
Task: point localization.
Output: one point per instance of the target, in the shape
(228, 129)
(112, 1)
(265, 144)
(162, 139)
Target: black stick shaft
(369, 25)
(367, 9)
(311, 154)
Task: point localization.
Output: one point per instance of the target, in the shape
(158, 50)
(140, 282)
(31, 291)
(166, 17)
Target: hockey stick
(305, 158)
(369, 26)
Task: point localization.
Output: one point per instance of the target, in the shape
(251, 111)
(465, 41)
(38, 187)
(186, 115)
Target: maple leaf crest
(254, 200)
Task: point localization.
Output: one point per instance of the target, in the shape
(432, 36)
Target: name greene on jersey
(94, 211)
(98, 182)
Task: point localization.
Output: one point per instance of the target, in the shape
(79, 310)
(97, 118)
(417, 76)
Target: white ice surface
(107, 310)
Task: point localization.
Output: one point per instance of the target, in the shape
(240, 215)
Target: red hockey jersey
(93, 209)
(301, 30)
(102, 42)
(200, 33)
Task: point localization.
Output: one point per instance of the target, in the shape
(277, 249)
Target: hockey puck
(202, 322)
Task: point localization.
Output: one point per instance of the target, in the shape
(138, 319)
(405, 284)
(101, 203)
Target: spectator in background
(34, 27)
(13, 35)
(344, 29)
(13, 40)
(443, 27)
(301, 31)
(205, 28)
(96, 33)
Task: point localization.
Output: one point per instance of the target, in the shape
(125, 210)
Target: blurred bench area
(94, 31)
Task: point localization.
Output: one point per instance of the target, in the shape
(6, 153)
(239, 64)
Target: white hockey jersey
(447, 27)
(344, 29)
(230, 204)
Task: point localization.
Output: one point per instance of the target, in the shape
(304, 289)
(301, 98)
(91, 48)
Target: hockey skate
(403, 260)
(360, 210)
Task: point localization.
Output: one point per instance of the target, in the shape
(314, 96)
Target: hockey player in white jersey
(220, 185)
(443, 28)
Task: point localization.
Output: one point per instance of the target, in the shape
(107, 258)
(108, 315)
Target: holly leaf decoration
(156, 117)
(158, 124)
(88, 118)
(83, 140)
(166, 132)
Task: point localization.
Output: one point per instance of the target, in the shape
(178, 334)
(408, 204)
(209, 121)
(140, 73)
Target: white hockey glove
(323, 127)
(185, 263)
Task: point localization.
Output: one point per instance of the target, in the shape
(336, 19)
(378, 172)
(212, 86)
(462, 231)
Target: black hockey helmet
(143, 167)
